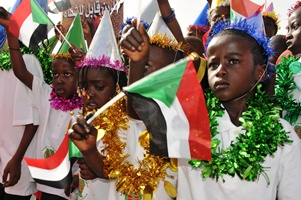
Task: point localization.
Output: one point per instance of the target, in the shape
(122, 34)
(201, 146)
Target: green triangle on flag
(38, 15)
(161, 85)
(75, 36)
(73, 150)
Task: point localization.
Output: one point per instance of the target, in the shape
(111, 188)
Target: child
(120, 148)
(247, 163)
(293, 35)
(270, 20)
(19, 125)
(53, 102)
(288, 84)
(219, 9)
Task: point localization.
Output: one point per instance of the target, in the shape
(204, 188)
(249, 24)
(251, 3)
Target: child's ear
(261, 73)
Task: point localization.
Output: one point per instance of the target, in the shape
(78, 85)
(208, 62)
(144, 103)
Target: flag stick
(62, 35)
(139, 13)
(108, 104)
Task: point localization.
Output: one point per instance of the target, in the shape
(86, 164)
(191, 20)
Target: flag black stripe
(150, 113)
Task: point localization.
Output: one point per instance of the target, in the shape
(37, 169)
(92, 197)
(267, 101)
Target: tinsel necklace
(286, 84)
(130, 179)
(244, 157)
(64, 104)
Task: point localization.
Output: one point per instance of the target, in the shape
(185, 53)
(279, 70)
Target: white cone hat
(103, 51)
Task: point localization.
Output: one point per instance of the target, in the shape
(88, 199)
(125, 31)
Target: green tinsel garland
(244, 157)
(284, 84)
(42, 55)
(5, 61)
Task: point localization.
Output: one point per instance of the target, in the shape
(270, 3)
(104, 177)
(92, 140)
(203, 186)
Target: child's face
(231, 71)
(160, 57)
(294, 32)
(195, 33)
(270, 27)
(64, 78)
(99, 86)
(221, 12)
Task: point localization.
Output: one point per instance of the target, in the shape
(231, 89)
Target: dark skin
(13, 167)
(232, 74)
(293, 36)
(64, 75)
(270, 27)
(221, 12)
(174, 26)
(193, 32)
(144, 57)
(100, 88)
(279, 45)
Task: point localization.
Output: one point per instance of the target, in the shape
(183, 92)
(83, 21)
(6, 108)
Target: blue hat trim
(129, 21)
(252, 30)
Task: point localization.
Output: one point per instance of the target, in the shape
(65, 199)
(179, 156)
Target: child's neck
(235, 109)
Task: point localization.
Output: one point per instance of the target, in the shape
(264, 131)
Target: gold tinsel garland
(129, 179)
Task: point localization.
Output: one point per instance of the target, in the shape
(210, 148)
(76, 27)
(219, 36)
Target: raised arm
(15, 55)
(173, 25)
(135, 43)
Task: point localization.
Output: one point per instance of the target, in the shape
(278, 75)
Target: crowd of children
(252, 86)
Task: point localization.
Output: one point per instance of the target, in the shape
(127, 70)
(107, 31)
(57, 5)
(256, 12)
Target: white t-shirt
(283, 171)
(105, 189)
(52, 128)
(16, 112)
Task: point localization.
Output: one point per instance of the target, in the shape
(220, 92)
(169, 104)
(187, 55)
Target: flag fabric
(29, 23)
(171, 103)
(257, 19)
(55, 171)
(247, 10)
(75, 36)
(56, 6)
(242, 9)
(118, 5)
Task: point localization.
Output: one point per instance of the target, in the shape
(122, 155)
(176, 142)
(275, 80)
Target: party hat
(218, 3)
(75, 36)
(103, 50)
(201, 23)
(270, 12)
(160, 34)
(2, 36)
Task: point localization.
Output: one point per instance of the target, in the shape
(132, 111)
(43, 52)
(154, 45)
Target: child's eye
(295, 26)
(233, 61)
(99, 87)
(67, 74)
(55, 74)
(213, 65)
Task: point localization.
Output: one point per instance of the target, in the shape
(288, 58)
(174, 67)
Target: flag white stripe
(52, 8)
(177, 122)
(27, 29)
(55, 174)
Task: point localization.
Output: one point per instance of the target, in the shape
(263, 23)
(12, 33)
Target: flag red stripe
(193, 104)
(52, 162)
(18, 17)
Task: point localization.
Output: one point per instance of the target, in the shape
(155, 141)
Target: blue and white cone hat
(103, 50)
(201, 23)
(2, 36)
